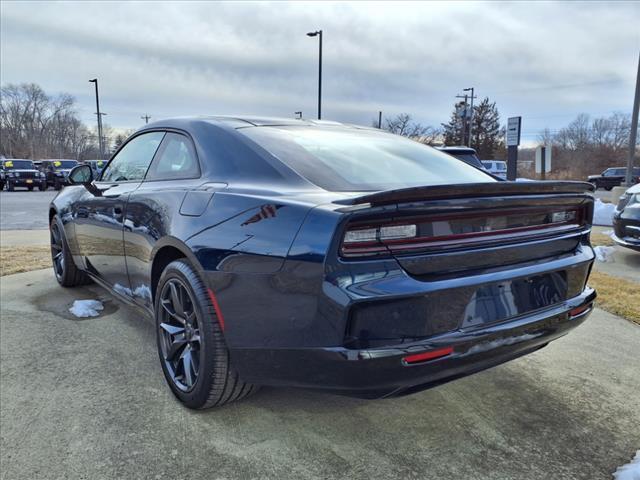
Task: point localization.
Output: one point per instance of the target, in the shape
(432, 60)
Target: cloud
(545, 61)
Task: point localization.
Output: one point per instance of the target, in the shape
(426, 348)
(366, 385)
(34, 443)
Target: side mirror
(81, 175)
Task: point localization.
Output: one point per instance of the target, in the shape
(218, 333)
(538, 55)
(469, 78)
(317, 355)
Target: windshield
(341, 159)
(64, 163)
(18, 165)
(501, 166)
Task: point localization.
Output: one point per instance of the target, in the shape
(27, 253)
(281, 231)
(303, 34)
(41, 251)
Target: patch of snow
(122, 290)
(603, 213)
(142, 291)
(608, 233)
(86, 308)
(604, 254)
(630, 471)
(522, 179)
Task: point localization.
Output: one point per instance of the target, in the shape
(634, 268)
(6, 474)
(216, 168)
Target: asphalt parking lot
(86, 399)
(24, 210)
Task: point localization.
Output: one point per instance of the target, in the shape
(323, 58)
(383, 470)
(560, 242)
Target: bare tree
(404, 125)
(35, 125)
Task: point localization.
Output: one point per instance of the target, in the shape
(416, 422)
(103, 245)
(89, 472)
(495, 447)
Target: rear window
(340, 159)
(18, 165)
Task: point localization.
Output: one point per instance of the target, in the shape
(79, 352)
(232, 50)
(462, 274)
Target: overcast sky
(545, 61)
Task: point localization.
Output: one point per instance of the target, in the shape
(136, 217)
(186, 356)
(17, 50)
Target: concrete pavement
(86, 399)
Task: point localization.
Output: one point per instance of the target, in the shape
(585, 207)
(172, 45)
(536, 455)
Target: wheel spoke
(187, 365)
(171, 329)
(175, 348)
(176, 300)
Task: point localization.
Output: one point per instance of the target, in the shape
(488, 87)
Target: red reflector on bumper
(578, 310)
(423, 357)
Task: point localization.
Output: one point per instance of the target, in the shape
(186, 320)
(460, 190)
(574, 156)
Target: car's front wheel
(64, 268)
(193, 353)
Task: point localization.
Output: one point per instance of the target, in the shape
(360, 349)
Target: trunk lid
(446, 229)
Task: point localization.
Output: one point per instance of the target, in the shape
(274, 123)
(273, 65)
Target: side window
(132, 162)
(175, 160)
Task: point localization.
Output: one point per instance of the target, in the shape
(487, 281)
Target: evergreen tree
(453, 130)
(488, 136)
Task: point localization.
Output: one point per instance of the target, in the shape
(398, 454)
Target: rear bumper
(380, 372)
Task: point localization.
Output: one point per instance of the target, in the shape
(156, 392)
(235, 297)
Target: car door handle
(82, 212)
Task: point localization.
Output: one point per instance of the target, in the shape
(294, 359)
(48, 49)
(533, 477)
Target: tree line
(36, 125)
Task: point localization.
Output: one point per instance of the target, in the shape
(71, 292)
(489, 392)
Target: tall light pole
(99, 115)
(471, 114)
(313, 34)
(634, 129)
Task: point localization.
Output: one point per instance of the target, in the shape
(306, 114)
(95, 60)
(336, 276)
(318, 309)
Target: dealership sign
(513, 131)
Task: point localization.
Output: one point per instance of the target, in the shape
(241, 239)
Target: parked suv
(497, 167)
(21, 173)
(613, 177)
(57, 172)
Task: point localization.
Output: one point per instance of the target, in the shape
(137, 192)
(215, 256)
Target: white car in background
(497, 167)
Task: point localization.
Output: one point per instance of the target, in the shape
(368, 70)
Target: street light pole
(470, 115)
(99, 115)
(634, 129)
(313, 34)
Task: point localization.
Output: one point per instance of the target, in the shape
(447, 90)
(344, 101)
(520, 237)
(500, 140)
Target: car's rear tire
(57, 185)
(64, 268)
(191, 346)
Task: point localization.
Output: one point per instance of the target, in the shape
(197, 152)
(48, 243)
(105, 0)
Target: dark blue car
(326, 256)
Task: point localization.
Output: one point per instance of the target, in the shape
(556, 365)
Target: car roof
(244, 121)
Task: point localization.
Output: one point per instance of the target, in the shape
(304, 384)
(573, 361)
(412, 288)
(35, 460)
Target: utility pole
(380, 119)
(634, 128)
(146, 118)
(470, 114)
(99, 115)
(464, 118)
(313, 34)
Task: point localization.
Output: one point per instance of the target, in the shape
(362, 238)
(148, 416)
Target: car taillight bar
(455, 230)
(426, 356)
(576, 312)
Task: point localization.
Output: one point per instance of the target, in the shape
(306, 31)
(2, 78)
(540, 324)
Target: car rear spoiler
(437, 192)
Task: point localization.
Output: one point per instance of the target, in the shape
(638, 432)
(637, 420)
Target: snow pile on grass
(630, 471)
(604, 254)
(86, 308)
(603, 213)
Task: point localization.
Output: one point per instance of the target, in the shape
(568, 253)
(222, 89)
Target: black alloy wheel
(57, 251)
(193, 352)
(179, 332)
(64, 268)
